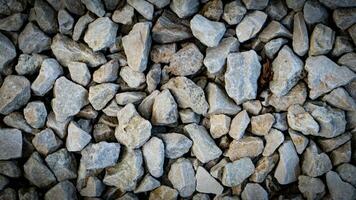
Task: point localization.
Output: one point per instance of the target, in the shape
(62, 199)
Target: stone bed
(177, 99)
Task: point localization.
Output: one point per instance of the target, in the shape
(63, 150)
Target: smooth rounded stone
(276, 9)
(163, 192)
(204, 147)
(254, 191)
(261, 124)
(339, 189)
(11, 143)
(145, 8)
(347, 171)
(311, 188)
(288, 169)
(79, 73)
(329, 144)
(100, 155)
(287, 69)
(340, 98)
(35, 114)
(124, 15)
(219, 102)
(187, 94)
(215, 58)
(182, 177)
(273, 139)
(153, 154)
(297, 95)
(321, 40)
(213, 10)
(188, 116)
(255, 5)
(344, 18)
(273, 46)
(187, 61)
(234, 12)
(133, 78)
(13, 22)
(133, 131)
(274, 30)
(17, 120)
(206, 183)
(28, 64)
(315, 163)
(64, 105)
(184, 8)
(332, 121)
(67, 50)
(10, 169)
(300, 35)
(263, 167)
(63, 164)
(169, 28)
(14, 93)
(95, 6)
(77, 138)
(101, 94)
(145, 107)
(45, 16)
(148, 183)
(125, 98)
(302, 121)
(253, 107)
(341, 154)
(36, 171)
(245, 147)
(324, 75)
(64, 190)
(250, 25)
(206, 31)
(239, 124)
(101, 33)
(164, 110)
(46, 142)
(314, 12)
(65, 22)
(81, 25)
(175, 144)
(94, 187)
(219, 125)
(296, 5)
(163, 53)
(153, 77)
(241, 76)
(234, 173)
(131, 166)
(59, 127)
(343, 44)
(299, 140)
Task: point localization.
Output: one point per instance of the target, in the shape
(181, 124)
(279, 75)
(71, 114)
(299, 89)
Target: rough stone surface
(339, 189)
(261, 124)
(300, 35)
(274, 30)
(45, 16)
(340, 98)
(245, 147)
(11, 143)
(65, 22)
(254, 191)
(321, 40)
(182, 177)
(314, 12)
(95, 6)
(311, 188)
(37, 172)
(301, 120)
(124, 15)
(101, 94)
(184, 8)
(46, 142)
(297, 95)
(315, 163)
(33, 40)
(163, 192)
(107, 72)
(79, 73)
(81, 26)
(148, 183)
(100, 155)
(101, 33)
(175, 144)
(219, 125)
(250, 25)
(206, 183)
(299, 140)
(63, 164)
(77, 138)
(164, 109)
(273, 139)
(132, 78)
(234, 12)
(63, 190)
(239, 124)
(142, 7)
(35, 114)
(153, 154)
(219, 102)
(236, 172)
(13, 22)
(263, 167)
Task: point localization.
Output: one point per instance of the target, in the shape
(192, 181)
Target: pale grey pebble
(314, 12)
(95, 6)
(234, 12)
(184, 8)
(124, 15)
(250, 25)
(205, 183)
(63, 164)
(45, 16)
(315, 162)
(81, 26)
(234, 173)
(101, 94)
(17, 120)
(311, 188)
(300, 35)
(273, 46)
(274, 30)
(338, 188)
(160, 3)
(107, 72)
(239, 124)
(143, 7)
(65, 22)
(101, 33)
(153, 154)
(46, 142)
(175, 144)
(153, 77)
(63, 190)
(79, 73)
(182, 177)
(148, 183)
(280, 121)
(132, 78)
(330, 144)
(100, 155)
(124, 98)
(35, 114)
(254, 191)
(28, 64)
(321, 40)
(213, 10)
(13, 22)
(9, 52)
(11, 143)
(164, 109)
(77, 138)
(255, 5)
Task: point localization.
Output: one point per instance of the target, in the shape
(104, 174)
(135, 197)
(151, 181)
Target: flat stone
(124, 15)
(187, 94)
(206, 183)
(314, 12)
(164, 110)
(297, 95)
(184, 8)
(77, 138)
(36, 171)
(346, 171)
(329, 144)
(245, 147)
(219, 125)
(315, 163)
(175, 144)
(45, 17)
(79, 73)
(254, 191)
(321, 40)
(204, 147)
(287, 170)
(11, 143)
(263, 167)
(247, 66)
(64, 190)
(63, 164)
(274, 30)
(125, 98)
(340, 98)
(219, 102)
(250, 25)
(133, 130)
(28, 64)
(234, 12)
(100, 155)
(234, 173)
(13, 22)
(261, 124)
(300, 35)
(272, 47)
(101, 94)
(273, 139)
(81, 25)
(143, 7)
(339, 189)
(46, 142)
(134, 79)
(255, 5)
(14, 93)
(302, 121)
(35, 114)
(299, 140)
(153, 154)
(145, 107)
(33, 40)
(65, 22)
(114, 175)
(187, 61)
(101, 33)
(344, 18)
(148, 183)
(163, 192)
(107, 72)
(342, 154)
(182, 177)
(311, 188)
(239, 124)
(201, 26)
(95, 6)
(163, 53)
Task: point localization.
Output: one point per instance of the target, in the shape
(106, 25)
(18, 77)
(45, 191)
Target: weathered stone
(204, 147)
(206, 183)
(188, 116)
(130, 166)
(182, 177)
(46, 142)
(273, 46)
(239, 124)
(261, 124)
(13, 22)
(346, 171)
(273, 139)
(213, 10)
(234, 12)
(63, 164)
(219, 102)
(184, 8)
(64, 190)
(254, 191)
(148, 183)
(297, 95)
(263, 167)
(311, 188)
(348, 60)
(163, 192)
(253, 107)
(107, 72)
(277, 9)
(101, 94)
(124, 15)
(143, 7)
(125, 98)
(315, 163)
(342, 154)
(245, 147)
(35, 114)
(77, 138)
(153, 77)
(37, 172)
(81, 26)
(234, 173)
(329, 144)
(65, 22)
(299, 140)
(339, 189)
(280, 121)
(344, 18)
(250, 25)
(94, 187)
(153, 154)
(95, 6)
(45, 16)
(187, 94)
(133, 78)
(274, 30)
(163, 53)
(100, 155)
(33, 40)
(145, 107)
(343, 44)
(28, 64)
(101, 33)
(10, 169)
(300, 35)
(206, 31)
(176, 145)
(59, 127)
(11, 144)
(287, 170)
(314, 12)
(255, 5)
(340, 99)
(164, 110)
(219, 125)
(301, 120)
(14, 93)
(243, 70)
(17, 120)
(321, 40)
(79, 73)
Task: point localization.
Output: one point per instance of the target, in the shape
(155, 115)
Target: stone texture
(148, 183)
(37, 172)
(315, 163)
(341, 154)
(163, 192)
(311, 188)
(162, 53)
(301, 120)
(329, 144)
(321, 40)
(219, 102)
(263, 167)
(124, 15)
(65, 22)
(219, 125)
(340, 98)
(314, 12)
(239, 124)
(81, 26)
(182, 177)
(13, 22)
(77, 138)
(175, 144)
(344, 18)
(11, 143)
(206, 183)
(17, 120)
(143, 7)
(254, 191)
(125, 98)
(35, 114)
(255, 5)
(132, 78)
(184, 8)
(300, 35)
(145, 107)
(100, 155)
(101, 94)
(274, 30)
(28, 64)
(93, 188)
(63, 164)
(250, 25)
(272, 47)
(45, 16)
(79, 73)
(101, 33)
(46, 142)
(273, 139)
(64, 190)
(95, 6)
(33, 40)
(297, 95)
(164, 110)
(234, 12)
(107, 72)
(261, 124)
(299, 140)
(153, 154)
(339, 189)
(346, 171)
(245, 147)
(236, 172)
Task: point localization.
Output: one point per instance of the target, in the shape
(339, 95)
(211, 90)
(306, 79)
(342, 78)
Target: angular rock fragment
(344, 18)
(28, 64)
(35, 114)
(340, 98)
(219, 125)
(148, 183)
(273, 46)
(63, 190)
(254, 191)
(261, 124)
(95, 6)
(206, 183)
(346, 171)
(153, 154)
(164, 110)
(63, 164)
(297, 95)
(45, 16)
(277, 9)
(339, 189)
(175, 144)
(124, 15)
(273, 139)
(188, 116)
(101, 94)
(153, 77)
(299, 140)
(341, 154)
(263, 167)
(184, 8)
(17, 120)
(33, 40)
(219, 102)
(94, 187)
(59, 127)
(236, 172)
(234, 12)
(36, 171)
(314, 12)
(143, 7)
(100, 155)
(343, 44)
(65, 22)
(274, 30)
(163, 192)
(134, 79)
(311, 188)
(182, 177)
(329, 144)
(250, 25)
(321, 40)
(13, 22)
(101, 33)
(79, 73)
(255, 5)
(77, 138)
(239, 124)
(11, 143)
(125, 98)
(81, 26)
(46, 142)
(163, 53)
(300, 35)
(301, 120)
(10, 169)
(145, 107)
(315, 163)
(107, 72)
(245, 147)
(295, 4)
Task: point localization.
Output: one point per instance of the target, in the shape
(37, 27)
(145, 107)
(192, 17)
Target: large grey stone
(148, 183)
(45, 16)
(311, 188)
(273, 139)
(163, 192)
(81, 25)
(339, 189)
(46, 142)
(272, 47)
(13, 22)
(314, 12)
(79, 73)
(274, 30)
(33, 40)
(143, 7)
(100, 155)
(261, 124)
(263, 167)
(245, 147)
(35, 114)
(28, 64)
(321, 40)
(234, 12)
(206, 183)
(17, 120)
(250, 25)
(297, 95)
(254, 191)
(36, 171)
(219, 102)
(344, 18)
(239, 125)
(315, 163)
(64, 190)
(63, 164)
(65, 22)
(299, 140)
(347, 171)
(101, 33)
(153, 154)
(133, 78)
(95, 6)
(182, 177)
(255, 5)
(301, 120)
(107, 72)
(11, 143)
(77, 138)
(124, 15)
(184, 8)
(340, 98)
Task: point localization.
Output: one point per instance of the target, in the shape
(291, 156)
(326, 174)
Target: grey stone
(13, 22)
(187, 61)
(255, 5)
(36, 171)
(329, 144)
(215, 58)
(28, 64)
(243, 70)
(101, 94)
(250, 25)
(297, 95)
(344, 18)
(343, 44)
(340, 99)
(213, 10)
(188, 116)
(164, 110)
(206, 31)
(287, 170)
(143, 7)
(245, 147)
(234, 173)
(111, 4)
(81, 26)
(64, 190)
(101, 33)
(35, 114)
(160, 3)
(338, 3)
(217, 170)
(262, 124)
(145, 107)
(321, 40)
(273, 46)
(184, 8)
(63, 164)
(239, 124)
(130, 166)
(301, 120)
(219, 102)
(75, 7)
(263, 167)
(10, 169)
(274, 30)
(339, 189)
(314, 12)
(341, 154)
(45, 16)
(100, 155)
(153, 77)
(148, 183)
(133, 130)
(273, 139)
(299, 140)
(124, 15)
(204, 147)
(77, 138)
(153, 154)
(280, 121)
(95, 6)
(253, 107)
(11, 143)
(182, 177)
(254, 191)
(94, 187)
(79, 73)
(17, 120)
(300, 35)
(315, 163)
(3, 182)
(133, 78)
(311, 188)
(347, 171)
(137, 45)
(125, 98)
(276, 9)
(162, 53)
(59, 127)
(175, 144)
(112, 108)
(206, 183)
(66, 50)
(46, 142)
(219, 125)
(296, 5)
(14, 93)
(234, 12)
(187, 94)
(65, 22)
(28, 193)
(163, 192)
